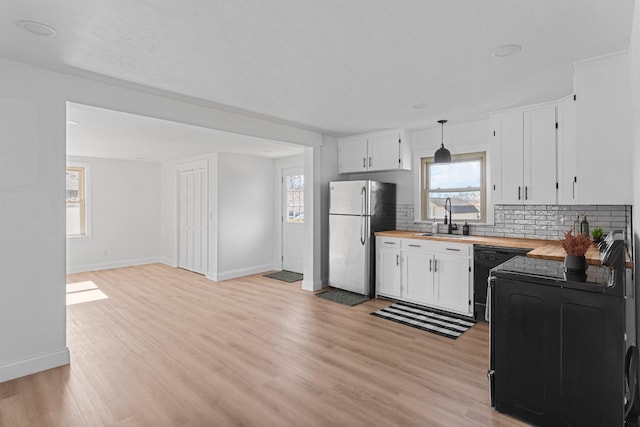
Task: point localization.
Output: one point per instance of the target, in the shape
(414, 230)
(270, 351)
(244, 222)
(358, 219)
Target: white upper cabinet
(380, 151)
(603, 132)
(526, 162)
(353, 155)
(567, 153)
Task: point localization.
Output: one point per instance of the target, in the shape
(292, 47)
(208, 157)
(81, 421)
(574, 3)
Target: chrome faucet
(448, 219)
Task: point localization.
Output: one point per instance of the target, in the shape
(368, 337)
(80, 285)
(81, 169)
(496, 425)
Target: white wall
(242, 206)
(32, 218)
(246, 197)
(124, 209)
(329, 159)
(32, 228)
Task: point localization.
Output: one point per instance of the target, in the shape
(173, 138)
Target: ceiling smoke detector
(37, 28)
(506, 50)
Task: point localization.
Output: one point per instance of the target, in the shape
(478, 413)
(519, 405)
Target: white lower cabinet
(388, 276)
(453, 283)
(431, 273)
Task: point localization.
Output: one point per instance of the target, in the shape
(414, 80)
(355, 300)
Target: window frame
(455, 158)
(84, 196)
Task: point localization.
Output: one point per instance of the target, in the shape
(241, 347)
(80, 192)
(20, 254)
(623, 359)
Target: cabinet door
(496, 160)
(384, 151)
(604, 131)
(418, 277)
(352, 155)
(389, 272)
(567, 153)
(453, 283)
(540, 156)
(510, 134)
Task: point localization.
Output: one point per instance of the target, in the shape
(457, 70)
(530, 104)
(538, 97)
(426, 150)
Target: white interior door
(293, 219)
(192, 220)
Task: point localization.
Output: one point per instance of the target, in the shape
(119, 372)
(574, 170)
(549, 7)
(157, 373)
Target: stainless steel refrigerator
(357, 209)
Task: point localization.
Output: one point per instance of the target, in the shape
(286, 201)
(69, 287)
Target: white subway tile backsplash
(548, 222)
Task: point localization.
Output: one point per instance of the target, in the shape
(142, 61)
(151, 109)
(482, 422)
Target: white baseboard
(170, 262)
(112, 264)
(36, 364)
(232, 274)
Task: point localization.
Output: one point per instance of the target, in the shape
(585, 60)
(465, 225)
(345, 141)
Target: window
(462, 180)
(295, 198)
(76, 201)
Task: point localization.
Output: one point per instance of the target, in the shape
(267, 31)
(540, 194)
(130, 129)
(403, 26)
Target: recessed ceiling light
(419, 106)
(506, 50)
(72, 122)
(37, 28)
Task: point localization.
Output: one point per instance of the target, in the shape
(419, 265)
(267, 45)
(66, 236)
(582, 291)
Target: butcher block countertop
(544, 249)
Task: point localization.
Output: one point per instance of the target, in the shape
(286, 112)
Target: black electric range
(551, 273)
(557, 343)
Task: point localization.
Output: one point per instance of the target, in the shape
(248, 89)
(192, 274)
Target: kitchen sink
(449, 236)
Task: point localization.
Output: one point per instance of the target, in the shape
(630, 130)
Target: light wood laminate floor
(171, 348)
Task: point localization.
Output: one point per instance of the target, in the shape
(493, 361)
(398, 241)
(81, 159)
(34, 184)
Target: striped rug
(439, 322)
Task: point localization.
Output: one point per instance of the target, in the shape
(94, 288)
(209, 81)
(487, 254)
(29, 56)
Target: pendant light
(442, 155)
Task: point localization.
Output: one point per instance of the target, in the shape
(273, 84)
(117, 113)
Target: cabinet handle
(453, 249)
(415, 246)
(364, 162)
(389, 243)
(435, 265)
(518, 192)
(526, 192)
(573, 185)
(397, 259)
(430, 262)
(369, 161)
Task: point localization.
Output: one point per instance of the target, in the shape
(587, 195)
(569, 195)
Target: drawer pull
(389, 243)
(453, 249)
(416, 246)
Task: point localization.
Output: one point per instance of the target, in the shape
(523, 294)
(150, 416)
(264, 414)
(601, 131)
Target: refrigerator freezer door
(349, 197)
(348, 255)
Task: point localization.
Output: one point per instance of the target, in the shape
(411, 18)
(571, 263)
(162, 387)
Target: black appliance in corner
(484, 259)
(561, 349)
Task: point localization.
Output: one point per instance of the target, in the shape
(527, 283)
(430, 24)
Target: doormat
(438, 322)
(343, 297)
(285, 276)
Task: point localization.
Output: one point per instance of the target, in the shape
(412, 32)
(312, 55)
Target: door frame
(280, 166)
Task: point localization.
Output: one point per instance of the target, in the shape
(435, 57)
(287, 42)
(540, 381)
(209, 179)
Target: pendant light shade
(442, 154)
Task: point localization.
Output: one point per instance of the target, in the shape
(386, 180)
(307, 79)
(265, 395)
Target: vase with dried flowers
(575, 262)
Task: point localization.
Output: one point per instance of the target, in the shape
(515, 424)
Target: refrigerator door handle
(363, 193)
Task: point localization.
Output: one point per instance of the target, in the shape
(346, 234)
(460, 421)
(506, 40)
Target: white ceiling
(339, 66)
